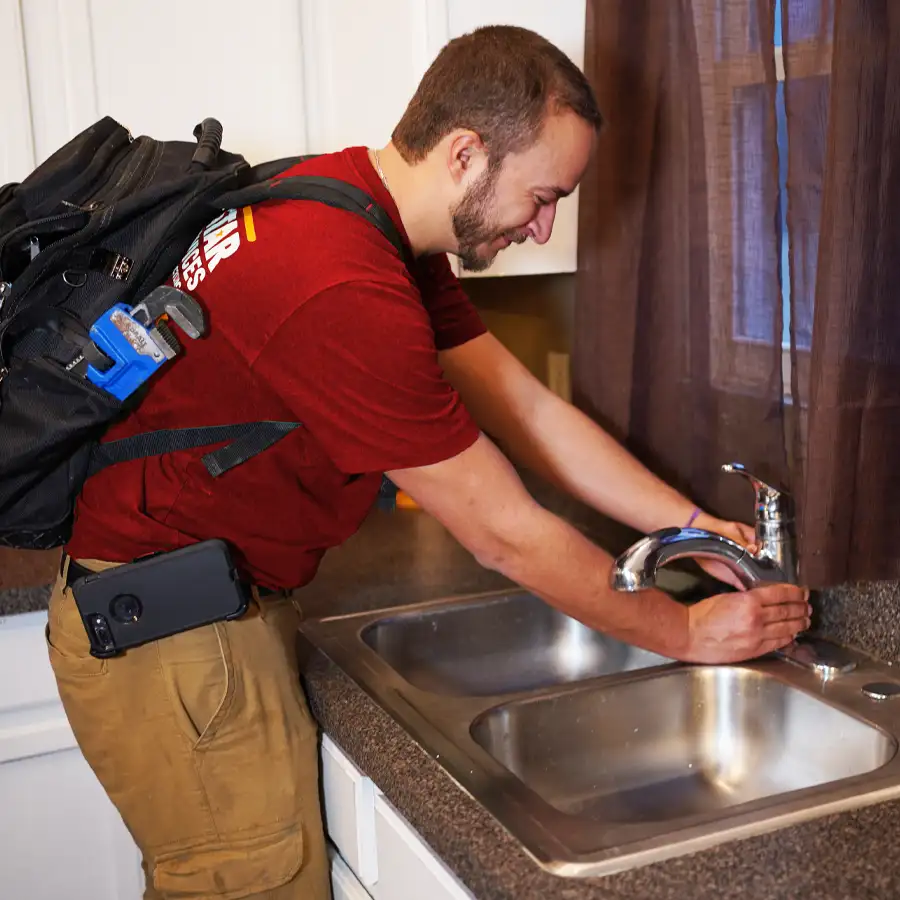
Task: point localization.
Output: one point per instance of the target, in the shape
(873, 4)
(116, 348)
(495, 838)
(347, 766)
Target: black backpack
(104, 221)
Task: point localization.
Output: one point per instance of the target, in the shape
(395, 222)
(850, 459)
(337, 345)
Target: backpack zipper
(134, 174)
(31, 226)
(137, 171)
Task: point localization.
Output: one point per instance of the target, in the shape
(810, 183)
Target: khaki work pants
(205, 744)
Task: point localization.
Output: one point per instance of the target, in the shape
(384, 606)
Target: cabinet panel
(349, 811)
(16, 139)
(160, 68)
(561, 22)
(407, 867)
(344, 884)
(362, 63)
(60, 54)
(62, 837)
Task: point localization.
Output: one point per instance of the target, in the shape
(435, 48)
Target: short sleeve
(454, 317)
(357, 365)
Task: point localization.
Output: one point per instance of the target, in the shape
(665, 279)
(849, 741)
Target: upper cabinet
(362, 62)
(296, 76)
(160, 68)
(16, 140)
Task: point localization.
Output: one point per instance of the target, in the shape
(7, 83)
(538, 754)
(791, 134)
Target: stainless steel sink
(686, 743)
(500, 645)
(599, 757)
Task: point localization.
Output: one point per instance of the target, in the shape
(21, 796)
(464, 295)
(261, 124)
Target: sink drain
(881, 690)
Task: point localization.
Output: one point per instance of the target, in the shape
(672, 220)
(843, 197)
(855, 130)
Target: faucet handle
(772, 504)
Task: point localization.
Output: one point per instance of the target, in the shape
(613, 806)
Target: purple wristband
(697, 512)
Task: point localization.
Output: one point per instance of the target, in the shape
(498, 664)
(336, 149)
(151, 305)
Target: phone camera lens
(125, 608)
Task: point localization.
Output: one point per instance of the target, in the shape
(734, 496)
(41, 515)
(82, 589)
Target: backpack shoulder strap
(330, 191)
(265, 170)
(247, 440)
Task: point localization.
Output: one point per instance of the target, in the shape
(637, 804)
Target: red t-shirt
(313, 318)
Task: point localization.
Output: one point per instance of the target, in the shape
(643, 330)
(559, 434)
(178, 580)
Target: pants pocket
(198, 672)
(68, 645)
(231, 870)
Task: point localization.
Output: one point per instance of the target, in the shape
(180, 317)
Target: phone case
(160, 596)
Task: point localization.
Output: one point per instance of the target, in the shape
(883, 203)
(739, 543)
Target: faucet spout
(636, 568)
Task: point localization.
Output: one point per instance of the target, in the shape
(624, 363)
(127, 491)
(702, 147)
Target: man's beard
(472, 225)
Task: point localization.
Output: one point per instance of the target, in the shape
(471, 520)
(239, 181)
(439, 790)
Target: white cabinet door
(563, 23)
(388, 857)
(362, 63)
(16, 145)
(349, 811)
(407, 867)
(344, 884)
(59, 834)
(159, 68)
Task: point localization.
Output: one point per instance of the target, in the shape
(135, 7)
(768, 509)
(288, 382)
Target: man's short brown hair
(499, 81)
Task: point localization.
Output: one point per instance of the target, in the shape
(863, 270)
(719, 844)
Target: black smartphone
(159, 596)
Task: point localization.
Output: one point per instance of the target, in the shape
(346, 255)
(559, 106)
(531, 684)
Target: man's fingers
(785, 612)
(777, 594)
(784, 631)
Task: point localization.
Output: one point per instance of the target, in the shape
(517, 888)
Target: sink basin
(504, 644)
(599, 757)
(676, 745)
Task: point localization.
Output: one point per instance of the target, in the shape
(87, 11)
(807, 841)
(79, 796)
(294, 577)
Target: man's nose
(541, 226)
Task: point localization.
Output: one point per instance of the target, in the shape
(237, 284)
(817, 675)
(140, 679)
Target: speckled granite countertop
(22, 600)
(406, 558)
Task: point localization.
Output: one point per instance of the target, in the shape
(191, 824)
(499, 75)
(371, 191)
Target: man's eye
(541, 201)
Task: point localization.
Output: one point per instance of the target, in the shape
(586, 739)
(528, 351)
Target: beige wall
(531, 315)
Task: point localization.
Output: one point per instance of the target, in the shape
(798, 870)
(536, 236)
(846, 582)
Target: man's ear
(466, 155)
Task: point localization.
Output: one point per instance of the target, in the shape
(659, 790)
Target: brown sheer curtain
(842, 62)
(679, 326)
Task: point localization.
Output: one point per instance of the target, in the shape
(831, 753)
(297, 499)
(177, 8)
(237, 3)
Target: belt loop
(257, 599)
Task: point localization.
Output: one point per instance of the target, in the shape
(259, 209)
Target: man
(204, 740)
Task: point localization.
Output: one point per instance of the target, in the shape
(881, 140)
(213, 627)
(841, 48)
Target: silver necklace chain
(387, 187)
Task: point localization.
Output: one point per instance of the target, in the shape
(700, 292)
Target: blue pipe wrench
(136, 343)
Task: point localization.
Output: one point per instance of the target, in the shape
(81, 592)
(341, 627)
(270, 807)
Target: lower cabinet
(59, 834)
(387, 855)
(344, 884)
(61, 837)
(407, 868)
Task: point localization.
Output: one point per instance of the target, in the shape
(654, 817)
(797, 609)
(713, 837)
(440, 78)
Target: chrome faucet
(773, 560)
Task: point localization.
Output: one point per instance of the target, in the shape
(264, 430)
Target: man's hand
(733, 627)
(738, 532)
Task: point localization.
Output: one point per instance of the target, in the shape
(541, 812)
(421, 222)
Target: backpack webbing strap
(330, 191)
(247, 440)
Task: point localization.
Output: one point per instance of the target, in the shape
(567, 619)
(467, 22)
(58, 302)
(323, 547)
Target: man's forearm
(549, 436)
(564, 446)
(479, 498)
(579, 586)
